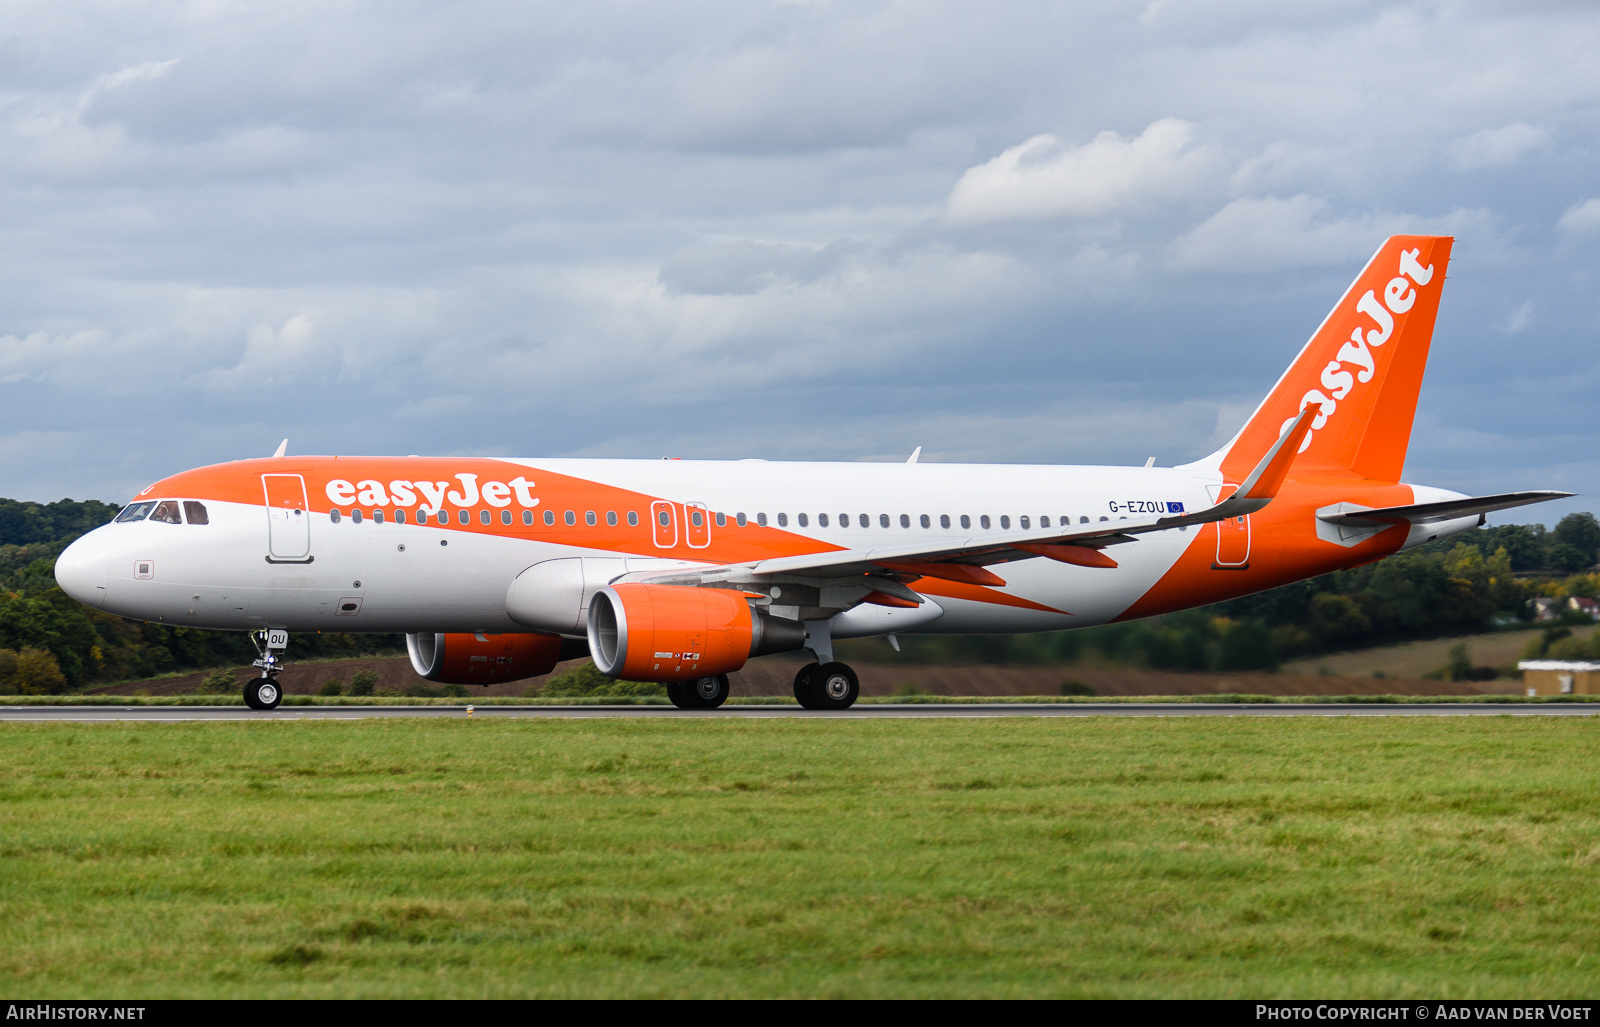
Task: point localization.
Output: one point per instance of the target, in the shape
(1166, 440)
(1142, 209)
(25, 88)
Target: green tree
(37, 673)
(1247, 645)
(1580, 531)
(362, 682)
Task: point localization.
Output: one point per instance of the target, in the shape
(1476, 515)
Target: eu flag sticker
(1174, 508)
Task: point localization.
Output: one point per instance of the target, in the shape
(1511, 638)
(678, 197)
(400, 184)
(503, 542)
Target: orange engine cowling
(466, 659)
(679, 633)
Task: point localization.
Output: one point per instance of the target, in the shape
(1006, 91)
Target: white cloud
(1518, 319)
(1253, 235)
(1043, 178)
(1498, 147)
(1582, 217)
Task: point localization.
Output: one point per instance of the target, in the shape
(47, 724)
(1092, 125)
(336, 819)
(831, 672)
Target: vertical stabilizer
(1362, 370)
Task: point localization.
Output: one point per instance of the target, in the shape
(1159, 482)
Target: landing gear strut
(264, 693)
(705, 693)
(826, 686)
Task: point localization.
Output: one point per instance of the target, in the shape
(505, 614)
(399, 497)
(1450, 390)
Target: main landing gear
(264, 693)
(705, 693)
(826, 686)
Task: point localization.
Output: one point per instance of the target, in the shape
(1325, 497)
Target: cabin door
(1233, 536)
(288, 519)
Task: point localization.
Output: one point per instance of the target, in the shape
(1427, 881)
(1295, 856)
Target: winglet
(1267, 478)
(914, 454)
(1261, 485)
(283, 447)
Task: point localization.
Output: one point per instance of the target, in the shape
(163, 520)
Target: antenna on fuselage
(283, 447)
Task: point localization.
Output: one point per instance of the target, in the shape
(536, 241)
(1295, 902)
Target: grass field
(1439, 857)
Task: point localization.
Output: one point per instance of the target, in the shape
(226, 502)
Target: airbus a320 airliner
(679, 571)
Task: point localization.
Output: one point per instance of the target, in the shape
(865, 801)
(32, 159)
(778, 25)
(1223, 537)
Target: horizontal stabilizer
(1427, 513)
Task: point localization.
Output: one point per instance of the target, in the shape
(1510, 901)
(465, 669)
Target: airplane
(679, 571)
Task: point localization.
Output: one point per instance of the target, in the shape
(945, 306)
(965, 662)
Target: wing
(1426, 513)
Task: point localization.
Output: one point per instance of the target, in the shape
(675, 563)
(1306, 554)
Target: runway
(92, 714)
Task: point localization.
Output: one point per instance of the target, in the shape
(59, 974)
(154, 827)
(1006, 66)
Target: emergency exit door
(288, 520)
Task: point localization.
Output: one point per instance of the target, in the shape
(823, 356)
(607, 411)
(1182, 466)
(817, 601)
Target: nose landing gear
(264, 693)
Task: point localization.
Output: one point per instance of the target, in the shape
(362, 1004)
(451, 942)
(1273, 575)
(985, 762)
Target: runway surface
(89, 714)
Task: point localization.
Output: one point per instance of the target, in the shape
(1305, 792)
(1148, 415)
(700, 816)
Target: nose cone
(81, 570)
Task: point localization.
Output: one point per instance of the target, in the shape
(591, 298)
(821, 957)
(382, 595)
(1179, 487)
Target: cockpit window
(166, 512)
(195, 513)
(135, 512)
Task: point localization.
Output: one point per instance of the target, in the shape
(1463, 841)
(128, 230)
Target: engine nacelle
(679, 633)
(466, 659)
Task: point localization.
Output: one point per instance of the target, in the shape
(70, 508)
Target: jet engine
(678, 633)
(466, 659)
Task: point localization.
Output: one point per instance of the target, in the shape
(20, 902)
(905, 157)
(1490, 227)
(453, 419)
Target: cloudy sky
(1002, 232)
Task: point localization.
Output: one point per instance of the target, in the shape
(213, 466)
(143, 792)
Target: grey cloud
(551, 229)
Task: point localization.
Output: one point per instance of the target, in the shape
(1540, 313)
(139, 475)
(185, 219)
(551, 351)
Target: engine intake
(466, 659)
(677, 633)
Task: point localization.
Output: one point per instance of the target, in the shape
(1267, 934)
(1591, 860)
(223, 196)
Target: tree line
(1465, 584)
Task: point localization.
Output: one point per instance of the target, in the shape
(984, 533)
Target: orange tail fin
(1363, 368)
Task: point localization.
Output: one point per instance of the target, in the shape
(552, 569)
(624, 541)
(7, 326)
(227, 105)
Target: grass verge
(1442, 857)
(768, 700)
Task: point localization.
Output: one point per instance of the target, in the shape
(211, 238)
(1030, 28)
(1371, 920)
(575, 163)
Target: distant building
(1560, 677)
(1549, 608)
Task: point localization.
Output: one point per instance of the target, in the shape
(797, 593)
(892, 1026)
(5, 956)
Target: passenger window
(1044, 522)
(167, 512)
(590, 519)
(925, 522)
(722, 520)
(633, 518)
(822, 520)
(738, 519)
(761, 519)
(333, 515)
(377, 517)
(905, 520)
(355, 516)
(1022, 522)
(135, 512)
(1083, 520)
(464, 517)
(802, 519)
(698, 518)
(783, 520)
(549, 516)
(883, 520)
(611, 518)
(865, 520)
(1005, 521)
(571, 518)
(665, 519)
(527, 516)
(1103, 518)
(966, 522)
(505, 516)
(983, 521)
(195, 513)
(444, 517)
(844, 520)
(399, 516)
(944, 520)
(483, 517)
